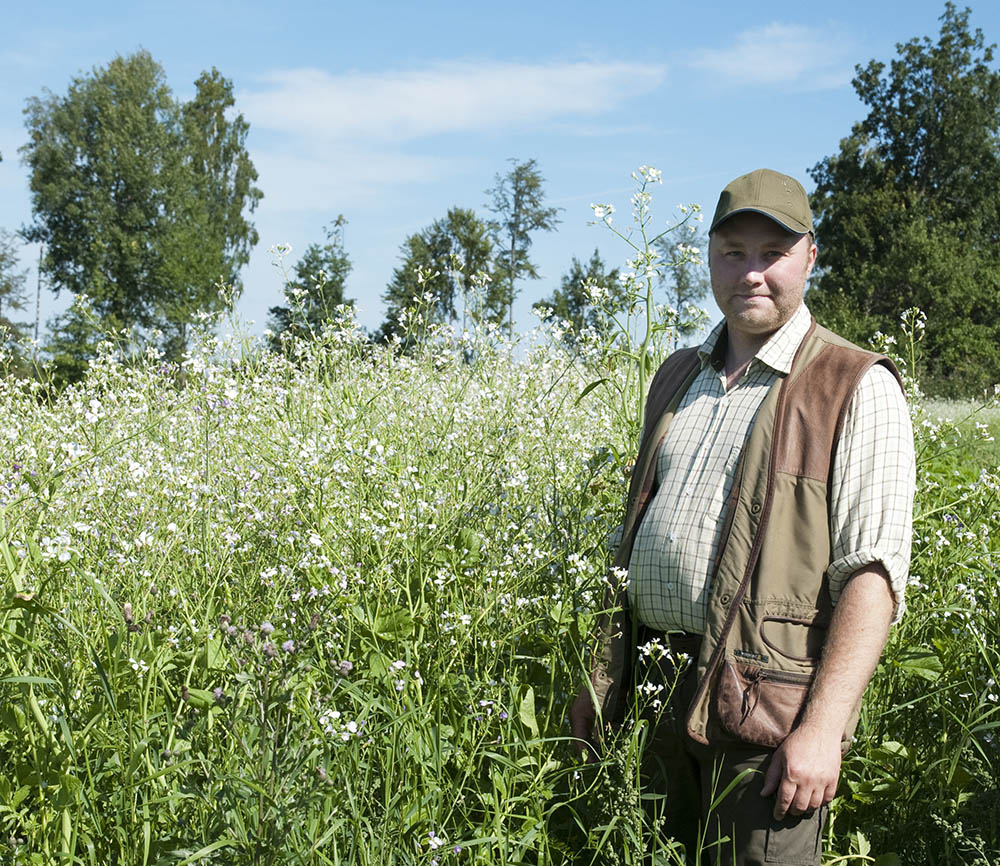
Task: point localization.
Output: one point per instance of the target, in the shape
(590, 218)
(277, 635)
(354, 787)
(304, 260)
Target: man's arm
(804, 769)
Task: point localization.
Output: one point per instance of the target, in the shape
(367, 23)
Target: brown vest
(769, 603)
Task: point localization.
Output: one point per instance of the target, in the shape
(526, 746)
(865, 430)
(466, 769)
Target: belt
(682, 642)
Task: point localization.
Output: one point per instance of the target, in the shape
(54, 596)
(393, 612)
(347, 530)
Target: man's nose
(753, 273)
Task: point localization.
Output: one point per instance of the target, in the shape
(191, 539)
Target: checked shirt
(871, 484)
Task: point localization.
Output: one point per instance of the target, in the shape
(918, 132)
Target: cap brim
(792, 226)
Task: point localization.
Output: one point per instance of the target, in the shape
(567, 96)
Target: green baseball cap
(767, 192)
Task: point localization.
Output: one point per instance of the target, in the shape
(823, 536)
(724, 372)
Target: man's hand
(803, 772)
(804, 769)
(582, 719)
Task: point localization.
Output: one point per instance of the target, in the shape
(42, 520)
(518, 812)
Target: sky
(390, 113)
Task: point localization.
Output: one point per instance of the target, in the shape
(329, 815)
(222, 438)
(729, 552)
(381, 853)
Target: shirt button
(755, 508)
(725, 598)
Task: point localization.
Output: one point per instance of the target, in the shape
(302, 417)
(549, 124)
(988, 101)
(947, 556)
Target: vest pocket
(759, 706)
(795, 638)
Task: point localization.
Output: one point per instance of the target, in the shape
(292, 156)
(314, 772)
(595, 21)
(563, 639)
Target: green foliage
(319, 607)
(517, 199)
(313, 296)
(920, 785)
(211, 239)
(640, 331)
(73, 343)
(573, 302)
(445, 271)
(12, 287)
(685, 276)
(140, 200)
(331, 606)
(907, 211)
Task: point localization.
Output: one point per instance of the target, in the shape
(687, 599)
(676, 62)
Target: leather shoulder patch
(815, 404)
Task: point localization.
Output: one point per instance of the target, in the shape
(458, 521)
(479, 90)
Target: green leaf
(105, 685)
(201, 853)
(395, 624)
(200, 698)
(889, 750)
(920, 663)
(470, 543)
(213, 654)
(38, 681)
(19, 796)
(595, 384)
(526, 712)
(888, 860)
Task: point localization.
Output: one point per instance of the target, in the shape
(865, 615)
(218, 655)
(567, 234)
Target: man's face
(759, 273)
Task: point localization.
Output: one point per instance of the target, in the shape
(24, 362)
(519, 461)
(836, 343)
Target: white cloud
(339, 178)
(805, 58)
(443, 98)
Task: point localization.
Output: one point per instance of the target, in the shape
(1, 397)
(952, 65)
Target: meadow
(330, 606)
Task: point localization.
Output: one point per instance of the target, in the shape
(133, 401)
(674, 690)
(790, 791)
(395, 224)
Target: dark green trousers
(683, 784)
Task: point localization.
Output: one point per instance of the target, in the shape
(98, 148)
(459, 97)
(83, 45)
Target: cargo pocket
(794, 638)
(796, 841)
(759, 706)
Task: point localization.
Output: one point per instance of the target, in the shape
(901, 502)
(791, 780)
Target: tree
(685, 277)
(517, 200)
(318, 287)
(908, 212)
(221, 187)
(12, 290)
(446, 260)
(139, 200)
(573, 301)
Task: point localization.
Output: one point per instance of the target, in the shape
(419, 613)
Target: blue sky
(393, 112)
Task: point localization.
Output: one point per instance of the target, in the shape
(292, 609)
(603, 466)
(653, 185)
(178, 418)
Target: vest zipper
(758, 541)
(785, 677)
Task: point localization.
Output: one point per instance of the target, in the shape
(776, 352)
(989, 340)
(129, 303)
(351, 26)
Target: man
(766, 537)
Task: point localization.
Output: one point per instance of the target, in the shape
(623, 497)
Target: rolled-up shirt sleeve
(871, 486)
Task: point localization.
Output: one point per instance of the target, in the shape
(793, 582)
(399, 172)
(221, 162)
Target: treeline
(143, 205)
(466, 269)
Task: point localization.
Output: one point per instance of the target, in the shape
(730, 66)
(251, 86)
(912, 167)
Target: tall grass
(326, 608)
(330, 606)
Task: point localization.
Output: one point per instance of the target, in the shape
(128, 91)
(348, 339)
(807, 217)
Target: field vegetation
(330, 604)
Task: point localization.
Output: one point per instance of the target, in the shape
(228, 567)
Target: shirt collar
(777, 352)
